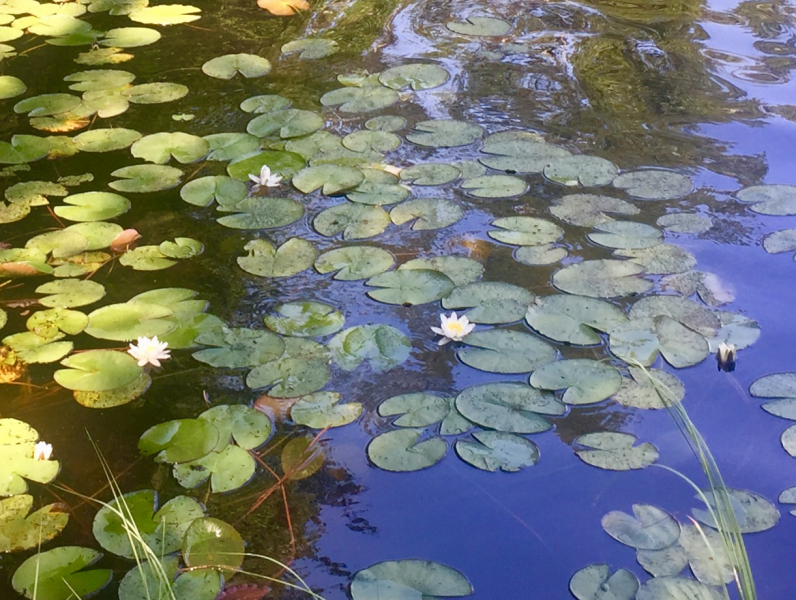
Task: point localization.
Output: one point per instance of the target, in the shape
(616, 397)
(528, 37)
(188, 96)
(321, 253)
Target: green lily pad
(144, 581)
(355, 262)
(408, 578)
(573, 319)
(130, 37)
(640, 340)
(322, 410)
(682, 222)
(319, 143)
(227, 470)
(229, 65)
(460, 269)
(495, 186)
(650, 529)
(454, 423)
(676, 588)
(668, 562)
(410, 286)
(181, 248)
(224, 190)
(264, 260)
(401, 451)
(162, 530)
(146, 258)
(179, 441)
(687, 312)
(416, 410)
(97, 371)
(375, 141)
(145, 178)
(385, 123)
(360, 99)
(247, 427)
(430, 174)
(646, 387)
(311, 49)
(160, 147)
(305, 319)
(418, 76)
(368, 192)
(615, 451)
(115, 397)
(47, 323)
(21, 531)
(239, 347)
(343, 157)
(427, 213)
(34, 192)
(383, 346)
(774, 199)
(59, 574)
(587, 210)
(286, 164)
(525, 231)
(662, 259)
(505, 351)
(98, 234)
(229, 146)
(69, 293)
(498, 451)
(262, 213)
(129, 320)
(581, 170)
(211, 543)
(301, 370)
(596, 582)
(165, 14)
(264, 104)
(490, 302)
(99, 79)
(654, 184)
(753, 512)
(23, 149)
(539, 255)
(519, 152)
(444, 133)
(586, 381)
(46, 105)
(288, 123)
(93, 206)
(480, 26)
(61, 243)
(17, 451)
(354, 221)
(10, 87)
(58, 26)
(332, 178)
(155, 93)
(510, 407)
(106, 140)
(602, 279)
(626, 234)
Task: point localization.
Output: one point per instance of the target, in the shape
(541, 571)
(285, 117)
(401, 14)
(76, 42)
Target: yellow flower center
(455, 328)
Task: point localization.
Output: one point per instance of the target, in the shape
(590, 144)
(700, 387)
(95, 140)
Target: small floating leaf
(292, 257)
(106, 140)
(21, 531)
(587, 171)
(262, 213)
(69, 293)
(224, 190)
(495, 186)
(239, 347)
(360, 99)
(11, 87)
(777, 199)
(427, 213)
(160, 147)
(288, 123)
(23, 149)
(386, 123)
(301, 370)
(59, 574)
(401, 451)
(525, 231)
(311, 49)
(354, 221)
(418, 76)
(179, 441)
(615, 451)
(416, 410)
(430, 174)
(650, 529)
(539, 255)
(587, 210)
(596, 582)
(130, 37)
(681, 222)
(461, 270)
(214, 544)
(155, 93)
(332, 178)
(377, 141)
(354, 262)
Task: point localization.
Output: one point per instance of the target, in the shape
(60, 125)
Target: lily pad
(586, 381)
(444, 133)
(288, 123)
(774, 199)
(229, 146)
(10, 87)
(646, 387)
(360, 99)
(626, 234)
(654, 184)
(21, 531)
(596, 582)
(753, 512)
(640, 340)
(519, 152)
(707, 555)
(97, 371)
(587, 210)
(662, 259)
(409, 578)
(286, 164)
(323, 410)
(93, 206)
(224, 190)
(162, 530)
(46, 105)
(505, 351)
(573, 319)
(376, 141)
(410, 287)
(239, 347)
(129, 320)
(146, 258)
(490, 302)
(676, 588)
(70, 293)
(115, 397)
(160, 147)
(145, 178)
(460, 269)
(687, 312)
(498, 451)
(262, 213)
(332, 178)
(416, 410)
(229, 65)
(228, 469)
(301, 370)
(418, 76)
(354, 221)
(602, 279)
(213, 544)
(34, 192)
(130, 37)
(495, 186)
(668, 562)
(383, 346)
(386, 123)
(106, 140)
(155, 93)
(510, 407)
(650, 529)
(427, 213)
(402, 451)
(311, 49)
(17, 449)
(430, 174)
(581, 169)
(480, 26)
(615, 451)
(305, 319)
(179, 441)
(682, 222)
(525, 231)
(264, 260)
(59, 574)
(165, 14)
(144, 581)
(355, 262)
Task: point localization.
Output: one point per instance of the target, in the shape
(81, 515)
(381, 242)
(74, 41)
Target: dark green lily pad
(427, 213)
(402, 451)
(179, 441)
(332, 178)
(654, 184)
(480, 26)
(383, 346)
(498, 451)
(97, 371)
(505, 351)
(511, 407)
(229, 65)
(444, 133)
(301, 370)
(311, 49)
(213, 544)
(322, 410)
(650, 529)
(615, 451)
(264, 260)
(573, 319)
(302, 457)
(354, 221)
(239, 347)
(410, 286)
(602, 279)
(305, 319)
(59, 574)
(586, 381)
(355, 262)
(490, 302)
(224, 190)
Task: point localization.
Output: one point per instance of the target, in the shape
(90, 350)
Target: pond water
(602, 187)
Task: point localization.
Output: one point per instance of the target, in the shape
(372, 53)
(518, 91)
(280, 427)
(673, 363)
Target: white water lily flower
(265, 179)
(726, 355)
(453, 328)
(42, 451)
(149, 351)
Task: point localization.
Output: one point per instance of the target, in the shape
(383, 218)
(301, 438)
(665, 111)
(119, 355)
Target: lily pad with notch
(480, 26)
(505, 351)
(292, 257)
(510, 407)
(239, 347)
(573, 319)
(70, 293)
(640, 340)
(495, 186)
(444, 133)
(596, 582)
(352, 263)
(409, 578)
(179, 441)
(159, 148)
(430, 174)
(460, 269)
(262, 213)
(229, 146)
(649, 389)
(59, 574)
(229, 65)
(305, 319)
(663, 259)
(360, 99)
(654, 184)
(17, 448)
(419, 409)
(224, 190)
(775, 199)
(626, 234)
(490, 302)
(602, 278)
(427, 213)
(649, 529)
(93, 206)
(302, 369)
(614, 451)
(285, 164)
(519, 152)
(106, 140)
(402, 450)
(323, 410)
(354, 221)
(311, 49)
(213, 544)
(418, 76)
(382, 346)
(22, 531)
(525, 231)
(410, 286)
(581, 170)
(332, 178)
(587, 210)
(145, 178)
(498, 451)
(97, 371)
(586, 381)
(287, 123)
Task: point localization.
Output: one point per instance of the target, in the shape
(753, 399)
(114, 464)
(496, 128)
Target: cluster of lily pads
(665, 547)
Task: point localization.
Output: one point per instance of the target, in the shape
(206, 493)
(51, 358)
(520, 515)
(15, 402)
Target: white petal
(437, 330)
(444, 341)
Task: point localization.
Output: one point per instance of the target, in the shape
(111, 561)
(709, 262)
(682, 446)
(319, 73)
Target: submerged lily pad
(402, 451)
(264, 260)
(573, 319)
(480, 26)
(302, 457)
(510, 407)
(505, 351)
(229, 65)
(615, 451)
(444, 133)
(311, 49)
(305, 319)
(490, 302)
(654, 184)
(586, 381)
(410, 287)
(59, 574)
(602, 279)
(498, 451)
(383, 346)
(355, 262)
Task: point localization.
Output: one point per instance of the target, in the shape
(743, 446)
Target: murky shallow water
(698, 89)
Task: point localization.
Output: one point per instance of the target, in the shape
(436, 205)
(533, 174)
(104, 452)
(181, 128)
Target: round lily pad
(229, 65)
(11, 87)
(525, 231)
(310, 49)
(505, 351)
(386, 123)
(650, 389)
(130, 37)
(490, 302)
(777, 199)
(46, 105)
(430, 174)
(160, 147)
(354, 221)
(224, 190)
(97, 371)
(165, 14)
(418, 76)
(539, 255)
(654, 184)
(322, 410)
(410, 287)
(285, 164)
(519, 152)
(626, 234)
(264, 260)
(416, 409)
(662, 259)
(581, 169)
(145, 178)
(573, 319)
(302, 369)
(214, 544)
(754, 513)
(640, 340)
(129, 320)
(409, 578)
(21, 531)
(495, 186)
(383, 346)
(229, 146)
(106, 140)
(596, 582)
(239, 347)
(360, 99)
(401, 450)
(615, 451)
(70, 293)
(155, 93)
(59, 574)
(305, 319)
(650, 529)
(262, 213)
(602, 279)
(179, 441)
(427, 213)
(586, 381)
(664, 588)
(480, 26)
(376, 141)
(354, 262)
(93, 206)
(682, 222)
(332, 178)
(444, 133)
(460, 269)
(510, 407)
(498, 451)
(587, 210)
